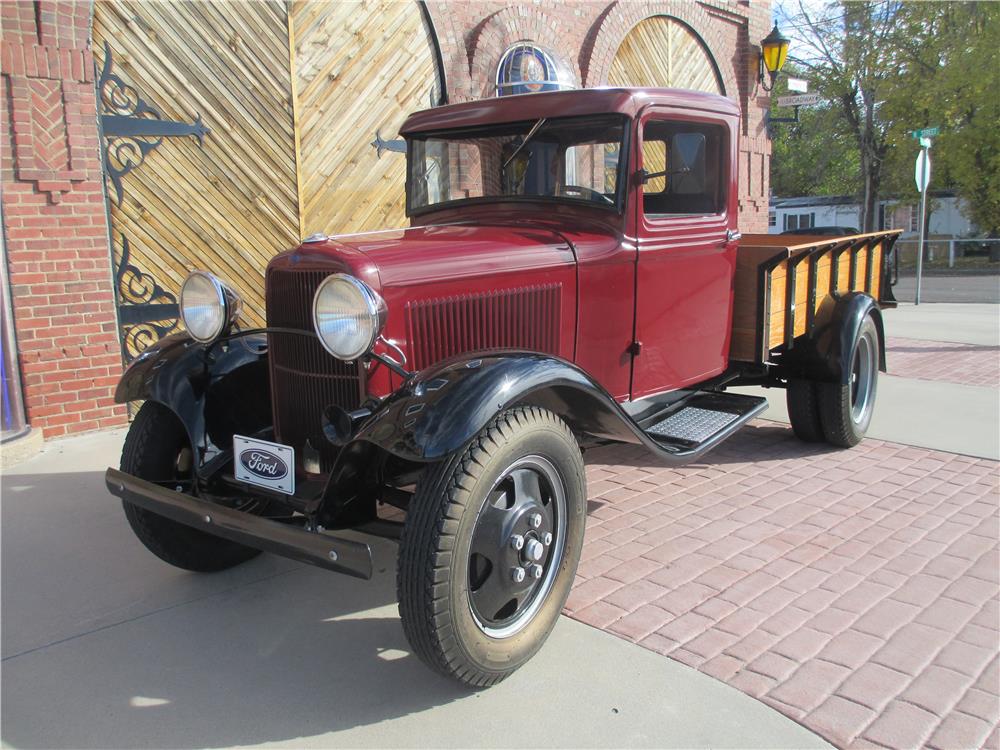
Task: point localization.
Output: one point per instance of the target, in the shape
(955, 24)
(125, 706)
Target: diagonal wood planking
(660, 51)
(230, 205)
(360, 68)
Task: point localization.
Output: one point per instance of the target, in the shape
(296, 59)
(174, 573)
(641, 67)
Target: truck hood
(430, 254)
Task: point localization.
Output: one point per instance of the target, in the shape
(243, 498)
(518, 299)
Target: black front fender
(215, 389)
(440, 409)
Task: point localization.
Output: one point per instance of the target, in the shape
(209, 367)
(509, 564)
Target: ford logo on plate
(263, 464)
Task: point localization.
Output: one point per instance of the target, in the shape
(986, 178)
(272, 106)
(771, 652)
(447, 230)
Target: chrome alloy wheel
(517, 546)
(862, 379)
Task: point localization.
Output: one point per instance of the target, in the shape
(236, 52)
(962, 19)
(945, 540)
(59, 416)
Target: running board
(701, 422)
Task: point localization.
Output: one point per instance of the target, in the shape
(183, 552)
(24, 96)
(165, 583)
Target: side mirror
(645, 176)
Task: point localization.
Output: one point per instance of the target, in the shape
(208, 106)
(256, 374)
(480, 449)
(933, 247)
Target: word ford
(263, 463)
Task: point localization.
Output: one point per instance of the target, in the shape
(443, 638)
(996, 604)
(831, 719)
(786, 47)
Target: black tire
(155, 450)
(803, 410)
(458, 502)
(846, 410)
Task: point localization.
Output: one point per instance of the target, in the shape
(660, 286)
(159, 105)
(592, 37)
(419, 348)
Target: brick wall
(54, 218)
(586, 35)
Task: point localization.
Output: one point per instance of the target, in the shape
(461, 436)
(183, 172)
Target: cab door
(686, 227)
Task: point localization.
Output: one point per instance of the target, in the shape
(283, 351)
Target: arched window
(527, 69)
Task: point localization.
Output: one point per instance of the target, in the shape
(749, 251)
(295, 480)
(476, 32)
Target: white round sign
(922, 172)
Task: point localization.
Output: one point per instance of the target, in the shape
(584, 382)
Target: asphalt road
(955, 288)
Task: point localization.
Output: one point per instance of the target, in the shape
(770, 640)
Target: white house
(947, 219)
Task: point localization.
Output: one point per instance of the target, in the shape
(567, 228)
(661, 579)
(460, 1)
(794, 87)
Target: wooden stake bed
(783, 281)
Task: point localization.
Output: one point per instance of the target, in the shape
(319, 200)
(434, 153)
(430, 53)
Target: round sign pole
(923, 177)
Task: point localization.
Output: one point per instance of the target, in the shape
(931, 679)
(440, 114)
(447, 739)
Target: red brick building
(72, 214)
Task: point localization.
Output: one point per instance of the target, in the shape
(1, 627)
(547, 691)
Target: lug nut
(547, 538)
(534, 550)
(536, 571)
(517, 541)
(535, 520)
(517, 574)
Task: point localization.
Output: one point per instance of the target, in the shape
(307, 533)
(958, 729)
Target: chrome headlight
(208, 306)
(348, 316)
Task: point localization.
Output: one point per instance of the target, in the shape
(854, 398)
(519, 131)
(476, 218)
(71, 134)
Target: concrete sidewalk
(953, 417)
(106, 646)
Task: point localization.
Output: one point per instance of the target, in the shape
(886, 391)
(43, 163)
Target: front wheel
(491, 545)
(157, 449)
(846, 409)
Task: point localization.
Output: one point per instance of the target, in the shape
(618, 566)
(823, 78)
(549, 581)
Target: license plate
(264, 464)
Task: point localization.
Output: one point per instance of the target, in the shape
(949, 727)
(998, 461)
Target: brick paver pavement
(855, 591)
(968, 364)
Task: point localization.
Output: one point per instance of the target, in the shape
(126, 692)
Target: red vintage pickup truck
(573, 274)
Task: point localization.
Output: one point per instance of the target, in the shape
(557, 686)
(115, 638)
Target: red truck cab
(573, 274)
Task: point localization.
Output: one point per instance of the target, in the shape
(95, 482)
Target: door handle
(733, 234)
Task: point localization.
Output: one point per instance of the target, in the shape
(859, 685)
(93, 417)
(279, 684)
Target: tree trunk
(872, 171)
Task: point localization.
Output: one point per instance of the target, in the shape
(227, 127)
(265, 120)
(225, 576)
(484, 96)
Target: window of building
(527, 69)
(772, 219)
(799, 221)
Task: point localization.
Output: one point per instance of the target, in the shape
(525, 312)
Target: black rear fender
(823, 355)
(216, 390)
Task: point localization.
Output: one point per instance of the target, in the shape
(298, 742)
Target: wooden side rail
(780, 287)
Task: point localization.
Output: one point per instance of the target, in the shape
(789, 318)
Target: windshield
(571, 159)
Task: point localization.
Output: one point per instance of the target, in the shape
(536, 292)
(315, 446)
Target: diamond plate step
(692, 425)
(695, 423)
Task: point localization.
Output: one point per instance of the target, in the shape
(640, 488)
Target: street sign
(922, 171)
(798, 100)
(924, 133)
(797, 84)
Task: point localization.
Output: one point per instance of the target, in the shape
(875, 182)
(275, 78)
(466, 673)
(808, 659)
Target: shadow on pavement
(268, 651)
(754, 443)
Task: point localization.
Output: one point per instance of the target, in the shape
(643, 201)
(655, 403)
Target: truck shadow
(758, 441)
(106, 646)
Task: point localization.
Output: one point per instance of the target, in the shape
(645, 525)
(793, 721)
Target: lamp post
(773, 51)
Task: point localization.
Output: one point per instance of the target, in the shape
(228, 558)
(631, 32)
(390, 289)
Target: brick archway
(621, 18)
(506, 27)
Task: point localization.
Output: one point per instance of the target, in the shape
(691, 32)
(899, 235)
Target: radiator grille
(305, 378)
(520, 318)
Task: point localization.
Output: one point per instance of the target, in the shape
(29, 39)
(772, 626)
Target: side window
(685, 167)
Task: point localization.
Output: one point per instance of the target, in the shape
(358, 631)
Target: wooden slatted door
(196, 107)
(662, 51)
(361, 68)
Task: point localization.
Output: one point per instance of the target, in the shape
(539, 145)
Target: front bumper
(332, 553)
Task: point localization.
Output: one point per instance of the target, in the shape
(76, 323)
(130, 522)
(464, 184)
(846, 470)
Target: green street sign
(925, 133)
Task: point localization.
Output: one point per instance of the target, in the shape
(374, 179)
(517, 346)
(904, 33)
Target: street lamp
(773, 51)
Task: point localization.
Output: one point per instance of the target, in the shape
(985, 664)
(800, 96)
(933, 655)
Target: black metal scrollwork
(132, 127)
(146, 310)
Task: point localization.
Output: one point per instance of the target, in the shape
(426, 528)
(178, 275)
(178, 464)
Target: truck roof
(627, 101)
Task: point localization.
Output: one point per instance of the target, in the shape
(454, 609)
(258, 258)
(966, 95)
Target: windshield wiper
(522, 144)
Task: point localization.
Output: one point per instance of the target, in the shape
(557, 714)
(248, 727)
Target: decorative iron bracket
(146, 311)
(132, 127)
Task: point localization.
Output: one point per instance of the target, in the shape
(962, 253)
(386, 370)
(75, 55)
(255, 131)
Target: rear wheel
(803, 410)
(846, 408)
(156, 449)
(490, 547)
